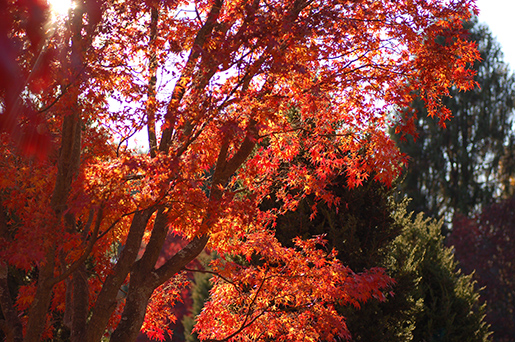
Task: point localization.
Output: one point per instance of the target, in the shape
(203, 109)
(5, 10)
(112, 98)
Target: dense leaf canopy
(211, 81)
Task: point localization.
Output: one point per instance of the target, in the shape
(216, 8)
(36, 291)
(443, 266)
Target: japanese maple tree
(212, 83)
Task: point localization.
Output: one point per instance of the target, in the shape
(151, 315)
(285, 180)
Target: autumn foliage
(84, 218)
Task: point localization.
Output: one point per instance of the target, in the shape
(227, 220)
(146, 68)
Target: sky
(499, 16)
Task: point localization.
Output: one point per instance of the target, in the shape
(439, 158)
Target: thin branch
(215, 274)
(246, 323)
(253, 302)
(198, 15)
(125, 139)
(185, 78)
(51, 104)
(104, 233)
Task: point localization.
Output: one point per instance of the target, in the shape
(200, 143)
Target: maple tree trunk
(80, 304)
(133, 313)
(141, 284)
(12, 327)
(39, 308)
(106, 301)
(69, 159)
(68, 167)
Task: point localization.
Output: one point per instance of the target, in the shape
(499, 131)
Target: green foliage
(431, 301)
(446, 303)
(460, 168)
(199, 294)
(359, 227)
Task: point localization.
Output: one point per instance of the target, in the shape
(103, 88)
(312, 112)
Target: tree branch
(181, 85)
(151, 90)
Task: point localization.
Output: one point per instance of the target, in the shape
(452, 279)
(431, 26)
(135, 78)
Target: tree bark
(143, 285)
(134, 311)
(151, 91)
(80, 304)
(13, 328)
(12, 325)
(107, 299)
(39, 308)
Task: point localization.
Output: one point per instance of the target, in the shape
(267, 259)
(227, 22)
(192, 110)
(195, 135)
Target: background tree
(88, 223)
(431, 299)
(484, 244)
(457, 169)
(445, 302)
(361, 227)
(199, 294)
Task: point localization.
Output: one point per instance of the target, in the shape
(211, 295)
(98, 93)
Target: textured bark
(39, 308)
(80, 305)
(12, 327)
(143, 284)
(134, 311)
(11, 323)
(69, 160)
(107, 299)
(151, 91)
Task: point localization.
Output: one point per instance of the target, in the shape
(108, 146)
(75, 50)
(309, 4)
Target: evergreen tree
(199, 293)
(431, 301)
(445, 302)
(360, 226)
(457, 168)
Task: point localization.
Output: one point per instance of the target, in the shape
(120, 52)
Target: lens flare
(59, 8)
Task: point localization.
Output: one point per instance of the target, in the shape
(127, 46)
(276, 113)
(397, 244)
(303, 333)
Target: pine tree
(458, 168)
(199, 293)
(446, 302)
(431, 300)
(360, 226)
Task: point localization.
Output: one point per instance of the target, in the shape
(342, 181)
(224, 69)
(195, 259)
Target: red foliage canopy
(229, 92)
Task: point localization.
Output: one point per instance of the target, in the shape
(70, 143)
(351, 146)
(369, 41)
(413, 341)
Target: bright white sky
(498, 15)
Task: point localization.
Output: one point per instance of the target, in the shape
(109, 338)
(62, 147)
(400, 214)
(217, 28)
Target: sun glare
(60, 8)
